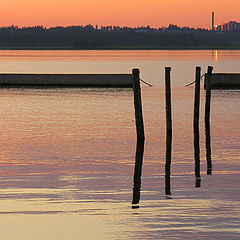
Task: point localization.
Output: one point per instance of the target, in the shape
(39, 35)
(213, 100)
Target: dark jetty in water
(224, 81)
(66, 80)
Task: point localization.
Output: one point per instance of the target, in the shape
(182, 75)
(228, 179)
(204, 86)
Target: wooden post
(196, 127)
(138, 105)
(208, 94)
(140, 136)
(207, 120)
(197, 98)
(168, 131)
(168, 100)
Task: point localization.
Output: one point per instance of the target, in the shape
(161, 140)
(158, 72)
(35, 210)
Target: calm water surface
(67, 155)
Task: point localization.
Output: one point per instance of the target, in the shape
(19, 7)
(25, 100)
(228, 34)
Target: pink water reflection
(68, 155)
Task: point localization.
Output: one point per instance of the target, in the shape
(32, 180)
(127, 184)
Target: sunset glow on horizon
(122, 13)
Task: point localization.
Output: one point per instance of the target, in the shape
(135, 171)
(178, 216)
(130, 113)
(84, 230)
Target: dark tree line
(110, 37)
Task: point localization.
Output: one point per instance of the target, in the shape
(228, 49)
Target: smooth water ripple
(67, 155)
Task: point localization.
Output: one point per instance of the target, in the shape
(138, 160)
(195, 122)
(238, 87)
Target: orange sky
(155, 13)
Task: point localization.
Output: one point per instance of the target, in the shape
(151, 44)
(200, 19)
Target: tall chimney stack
(213, 27)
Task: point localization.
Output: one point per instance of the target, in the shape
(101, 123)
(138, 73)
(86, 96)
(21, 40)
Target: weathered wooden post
(207, 119)
(168, 100)
(140, 136)
(168, 131)
(196, 127)
(197, 98)
(208, 95)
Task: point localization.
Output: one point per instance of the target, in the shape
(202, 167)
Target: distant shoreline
(114, 38)
(119, 48)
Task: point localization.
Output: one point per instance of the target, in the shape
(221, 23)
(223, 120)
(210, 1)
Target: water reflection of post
(196, 127)
(168, 164)
(207, 120)
(208, 148)
(169, 131)
(140, 137)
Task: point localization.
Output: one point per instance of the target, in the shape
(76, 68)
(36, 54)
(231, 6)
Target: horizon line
(100, 26)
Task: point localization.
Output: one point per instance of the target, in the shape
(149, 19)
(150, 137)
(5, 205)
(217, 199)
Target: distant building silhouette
(231, 26)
